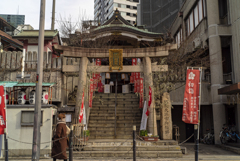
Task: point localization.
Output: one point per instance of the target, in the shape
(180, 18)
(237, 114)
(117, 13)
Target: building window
(196, 15)
(178, 37)
(134, 7)
(223, 8)
(27, 118)
(128, 14)
(128, 6)
(134, 15)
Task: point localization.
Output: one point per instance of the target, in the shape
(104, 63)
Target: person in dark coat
(60, 146)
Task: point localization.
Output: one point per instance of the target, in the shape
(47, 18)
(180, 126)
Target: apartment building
(158, 15)
(104, 9)
(214, 26)
(14, 20)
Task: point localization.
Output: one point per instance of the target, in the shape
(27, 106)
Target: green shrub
(86, 132)
(143, 132)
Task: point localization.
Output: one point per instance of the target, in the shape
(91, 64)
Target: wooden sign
(115, 59)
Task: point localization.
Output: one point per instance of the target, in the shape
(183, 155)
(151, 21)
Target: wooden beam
(104, 53)
(103, 69)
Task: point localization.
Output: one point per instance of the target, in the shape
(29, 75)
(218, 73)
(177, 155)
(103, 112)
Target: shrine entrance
(120, 43)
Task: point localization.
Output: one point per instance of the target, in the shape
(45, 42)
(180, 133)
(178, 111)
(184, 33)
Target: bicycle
(228, 134)
(208, 138)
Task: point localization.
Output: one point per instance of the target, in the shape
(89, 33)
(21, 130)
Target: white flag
(144, 117)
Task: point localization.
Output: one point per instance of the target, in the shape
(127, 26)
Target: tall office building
(14, 20)
(104, 9)
(158, 15)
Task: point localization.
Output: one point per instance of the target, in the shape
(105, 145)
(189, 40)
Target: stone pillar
(166, 117)
(82, 79)
(215, 53)
(148, 81)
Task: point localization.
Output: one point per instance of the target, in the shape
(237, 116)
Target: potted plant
(86, 134)
(148, 136)
(143, 133)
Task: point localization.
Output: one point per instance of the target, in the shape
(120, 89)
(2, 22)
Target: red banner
(2, 111)
(150, 97)
(191, 97)
(81, 110)
(90, 92)
(98, 62)
(134, 61)
(141, 93)
(131, 79)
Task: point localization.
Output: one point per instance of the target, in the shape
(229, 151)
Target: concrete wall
(178, 94)
(25, 133)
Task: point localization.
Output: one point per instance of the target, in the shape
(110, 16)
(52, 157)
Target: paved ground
(206, 152)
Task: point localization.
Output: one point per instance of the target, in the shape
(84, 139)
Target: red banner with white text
(191, 97)
(81, 110)
(2, 111)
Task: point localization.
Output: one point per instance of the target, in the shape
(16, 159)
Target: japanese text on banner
(191, 97)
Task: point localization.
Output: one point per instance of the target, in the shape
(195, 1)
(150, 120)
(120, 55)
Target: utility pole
(53, 14)
(39, 78)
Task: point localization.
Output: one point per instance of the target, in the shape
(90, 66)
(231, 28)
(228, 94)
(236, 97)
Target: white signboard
(68, 118)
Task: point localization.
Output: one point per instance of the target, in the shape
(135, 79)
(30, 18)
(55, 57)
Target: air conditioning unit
(32, 96)
(44, 97)
(21, 98)
(196, 43)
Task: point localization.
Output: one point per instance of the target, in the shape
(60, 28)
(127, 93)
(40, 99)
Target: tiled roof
(35, 33)
(3, 34)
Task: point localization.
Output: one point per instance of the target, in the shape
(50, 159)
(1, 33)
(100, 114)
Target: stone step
(112, 110)
(113, 118)
(110, 136)
(110, 125)
(118, 131)
(128, 142)
(113, 95)
(94, 129)
(117, 114)
(129, 147)
(113, 103)
(127, 99)
(118, 108)
(127, 154)
(113, 121)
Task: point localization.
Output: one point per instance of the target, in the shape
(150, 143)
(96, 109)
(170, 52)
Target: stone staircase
(104, 144)
(122, 148)
(102, 116)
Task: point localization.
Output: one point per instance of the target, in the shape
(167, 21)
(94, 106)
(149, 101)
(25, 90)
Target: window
(119, 5)
(191, 23)
(178, 37)
(27, 118)
(123, 6)
(128, 6)
(128, 14)
(195, 16)
(134, 7)
(134, 15)
(123, 13)
(222, 8)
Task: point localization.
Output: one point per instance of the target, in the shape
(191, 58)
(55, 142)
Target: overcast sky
(31, 9)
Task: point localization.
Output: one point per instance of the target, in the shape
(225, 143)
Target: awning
(16, 84)
(231, 89)
(33, 84)
(7, 83)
